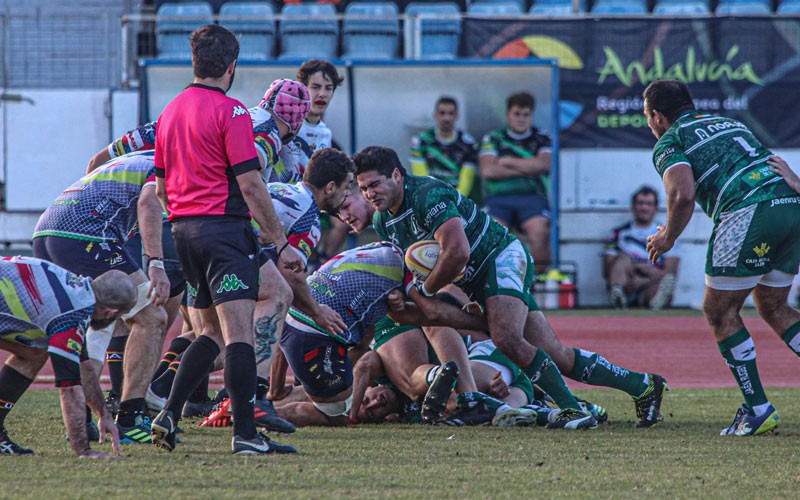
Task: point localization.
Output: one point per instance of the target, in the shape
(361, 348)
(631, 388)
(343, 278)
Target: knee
(151, 318)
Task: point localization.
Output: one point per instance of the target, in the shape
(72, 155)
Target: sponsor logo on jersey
(74, 346)
(785, 201)
(433, 211)
(231, 283)
(239, 111)
(321, 288)
(115, 260)
(762, 250)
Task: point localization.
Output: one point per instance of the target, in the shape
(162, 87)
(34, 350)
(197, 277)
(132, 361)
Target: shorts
(510, 273)
(172, 266)
(386, 329)
(219, 258)
(756, 239)
(87, 258)
(516, 209)
(486, 352)
(318, 361)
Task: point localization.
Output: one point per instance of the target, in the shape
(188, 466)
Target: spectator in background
(445, 152)
(515, 167)
(632, 278)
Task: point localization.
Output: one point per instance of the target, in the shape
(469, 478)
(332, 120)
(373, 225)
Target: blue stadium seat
(256, 35)
(172, 32)
(482, 8)
(370, 30)
(309, 30)
(789, 7)
(619, 7)
(745, 7)
(440, 28)
(681, 7)
(556, 8)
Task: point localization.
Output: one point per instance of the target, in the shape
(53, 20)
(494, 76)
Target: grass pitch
(682, 457)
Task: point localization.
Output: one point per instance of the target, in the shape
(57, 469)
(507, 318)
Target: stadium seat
(788, 7)
(619, 7)
(556, 8)
(743, 7)
(256, 35)
(519, 3)
(482, 8)
(172, 32)
(370, 30)
(309, 30)
(440, 28)
(681, 7)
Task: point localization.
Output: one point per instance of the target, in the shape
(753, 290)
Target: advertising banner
(745, 68)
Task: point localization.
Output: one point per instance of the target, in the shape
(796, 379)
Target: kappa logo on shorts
(238, 111)
(231, 283)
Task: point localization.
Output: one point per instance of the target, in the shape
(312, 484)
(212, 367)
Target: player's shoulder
(466, 138)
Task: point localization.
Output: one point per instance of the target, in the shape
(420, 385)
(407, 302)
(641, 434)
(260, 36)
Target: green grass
(683, 457)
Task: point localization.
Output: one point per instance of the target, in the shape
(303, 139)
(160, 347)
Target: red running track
(681, 349)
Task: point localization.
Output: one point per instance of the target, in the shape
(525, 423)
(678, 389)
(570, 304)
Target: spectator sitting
(632, 278)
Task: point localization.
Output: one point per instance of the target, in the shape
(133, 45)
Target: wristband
(283, 248)
(421, 289)
(155, 262)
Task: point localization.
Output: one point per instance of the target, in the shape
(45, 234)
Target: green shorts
(486, 351)
(510, 273)
(756, 240)
(386, 329)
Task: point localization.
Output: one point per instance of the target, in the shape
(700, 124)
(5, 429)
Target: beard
(99, 324)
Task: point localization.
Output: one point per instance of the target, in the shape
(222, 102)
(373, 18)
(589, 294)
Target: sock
(176, 347)
(200, 394)
(129, 410)
(740, 355)
(431, 374)
(592, 368)
(196, 363)
(240, 380)
(88, 415)
(115, 354)
(262, 388)
(792, 338)
(163, 384)
(543, 371)
(13, 385)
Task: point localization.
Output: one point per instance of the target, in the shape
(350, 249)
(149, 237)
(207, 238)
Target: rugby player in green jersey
(498, 274)
(755, 244)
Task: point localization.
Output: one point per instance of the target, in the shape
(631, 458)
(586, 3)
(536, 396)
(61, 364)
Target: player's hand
(658, 244)
(96, 454)
(291, 260)
(329, 319)
(473, 308)
(106, 425)
(498, 387)
(278, 393)
(158, 292)
(396, 300)
(780, 167)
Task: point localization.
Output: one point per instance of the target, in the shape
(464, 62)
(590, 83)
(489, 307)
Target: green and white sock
(740, 355)
(593, 369)
(544, 372)
(792, 338)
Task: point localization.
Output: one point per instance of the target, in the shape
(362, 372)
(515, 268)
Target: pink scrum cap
(289, 100)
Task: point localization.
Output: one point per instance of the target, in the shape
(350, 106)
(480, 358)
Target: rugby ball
(421, 257)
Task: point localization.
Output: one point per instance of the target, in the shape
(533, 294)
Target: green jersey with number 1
(727, 161)
(427, 204)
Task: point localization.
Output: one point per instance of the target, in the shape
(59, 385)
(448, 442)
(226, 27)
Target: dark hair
(214, 48)
(312, 66)
(378, 158)
(520, 100)
(644, 190)
(328, 165)
(668, 97)
(446, 99)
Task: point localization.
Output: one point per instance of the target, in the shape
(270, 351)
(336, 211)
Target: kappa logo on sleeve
(239, 111)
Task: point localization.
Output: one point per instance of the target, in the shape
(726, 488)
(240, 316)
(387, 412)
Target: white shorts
(774, 278)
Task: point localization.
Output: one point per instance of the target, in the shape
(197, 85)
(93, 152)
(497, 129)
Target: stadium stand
(743, 7)
(681, 7)
(370, 30)
(256, 34)
(556, 8)
(619, 7)
(494, 8)
(172, 32)
(309, 30)
(440, 28)
(789, 7)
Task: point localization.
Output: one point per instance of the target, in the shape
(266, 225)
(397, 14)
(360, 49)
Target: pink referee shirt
(204, 139)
